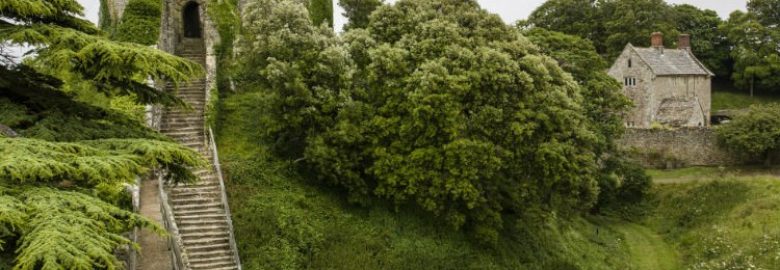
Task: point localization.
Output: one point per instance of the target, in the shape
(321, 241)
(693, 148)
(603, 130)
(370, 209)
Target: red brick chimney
(684, 42)
(657, 40)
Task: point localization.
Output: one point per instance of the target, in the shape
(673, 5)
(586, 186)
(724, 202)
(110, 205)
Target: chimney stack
(684, 42)
(657, 40)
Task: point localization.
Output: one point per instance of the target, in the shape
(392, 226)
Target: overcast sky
(510, 10)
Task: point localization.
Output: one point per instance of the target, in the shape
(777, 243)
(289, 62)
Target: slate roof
(676, 112)
(671, 62)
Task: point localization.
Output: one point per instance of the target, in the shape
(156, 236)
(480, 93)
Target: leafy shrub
(755, 133)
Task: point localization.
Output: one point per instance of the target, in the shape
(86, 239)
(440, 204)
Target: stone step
(205, 234)
(191, 212)
(196, 190)
(183, 123)
(206, 241)
(205, 206)
(192, 249)
(210, 254)
(219, 268)
(191, 140)
(186, 134)
(210, 216)
(213, 265)
(183, 116)
(209, 259)
(192, 86)
(194, 200)
(191, 229)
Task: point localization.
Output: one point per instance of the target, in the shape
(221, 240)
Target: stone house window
(629, 81)
(629, 63)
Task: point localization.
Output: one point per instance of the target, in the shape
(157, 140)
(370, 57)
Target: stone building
(668, 86)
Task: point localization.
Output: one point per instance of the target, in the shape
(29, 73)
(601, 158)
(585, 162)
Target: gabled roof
(670, 62)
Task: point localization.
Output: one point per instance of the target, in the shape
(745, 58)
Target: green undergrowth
(721, 220)
(284, 221)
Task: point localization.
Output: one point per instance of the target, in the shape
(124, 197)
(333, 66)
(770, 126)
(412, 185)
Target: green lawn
(726, 97)
(648, 249)
(708, 173)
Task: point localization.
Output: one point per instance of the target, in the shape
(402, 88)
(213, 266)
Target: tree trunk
(752, 82)
(768, 159)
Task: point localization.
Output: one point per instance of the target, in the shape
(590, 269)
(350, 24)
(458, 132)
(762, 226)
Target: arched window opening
(191, 20)
(629, 63)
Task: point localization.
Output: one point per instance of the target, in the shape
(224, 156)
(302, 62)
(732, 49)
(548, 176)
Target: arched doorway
(191, 19)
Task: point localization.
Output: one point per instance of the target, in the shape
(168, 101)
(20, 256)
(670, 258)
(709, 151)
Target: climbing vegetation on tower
(140, 22)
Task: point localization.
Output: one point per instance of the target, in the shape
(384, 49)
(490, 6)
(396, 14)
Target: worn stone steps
(198, 207)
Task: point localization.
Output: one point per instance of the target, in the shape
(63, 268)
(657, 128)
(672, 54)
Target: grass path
(648, 251)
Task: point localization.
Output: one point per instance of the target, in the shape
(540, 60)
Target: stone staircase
(198, 208)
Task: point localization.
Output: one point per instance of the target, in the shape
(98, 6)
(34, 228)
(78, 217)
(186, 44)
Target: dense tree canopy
(437, 104)
(756, 50)
(611, 24)
(63, 173)
(321, 11)
(767, 11)
(358, 11)
(708, 42)
(574, 17)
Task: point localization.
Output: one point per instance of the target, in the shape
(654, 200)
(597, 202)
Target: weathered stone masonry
(661, 148)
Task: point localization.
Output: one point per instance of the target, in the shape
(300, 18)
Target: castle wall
(116, 8)
(661, 148)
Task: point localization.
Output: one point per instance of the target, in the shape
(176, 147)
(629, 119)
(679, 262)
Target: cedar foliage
(62, 181)
(65, 42)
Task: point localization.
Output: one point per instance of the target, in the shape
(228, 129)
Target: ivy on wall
(140, 22)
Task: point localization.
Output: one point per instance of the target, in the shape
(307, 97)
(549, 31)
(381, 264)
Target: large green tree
(437, 104)
(767, 11)
(708, 41)
(620, 181)
(64, 163)
(574, 17)
(632, 21)
(756, 52)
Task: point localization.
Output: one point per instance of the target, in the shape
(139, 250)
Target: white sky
(510, 10)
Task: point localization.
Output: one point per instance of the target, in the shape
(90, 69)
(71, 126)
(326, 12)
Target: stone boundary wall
(662, 148)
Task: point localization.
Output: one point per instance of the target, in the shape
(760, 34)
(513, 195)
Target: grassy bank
(726, 97)
(719, 219)
(284, 221)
